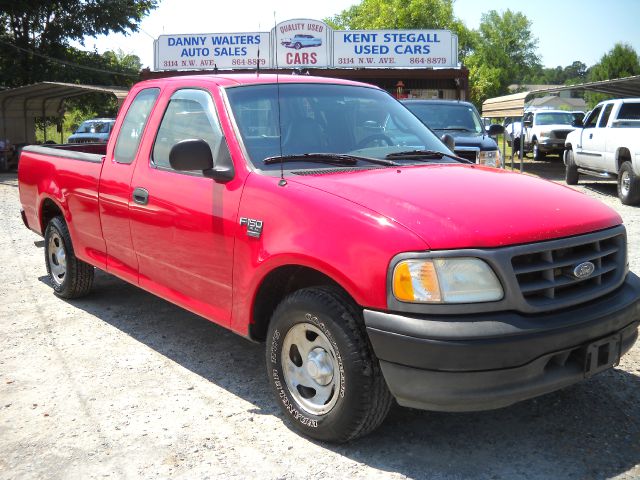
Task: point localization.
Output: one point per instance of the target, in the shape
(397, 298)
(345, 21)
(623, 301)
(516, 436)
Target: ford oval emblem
(583, 270)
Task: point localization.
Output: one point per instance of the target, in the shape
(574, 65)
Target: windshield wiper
(425, 155)
(328, 158)
(458, 129)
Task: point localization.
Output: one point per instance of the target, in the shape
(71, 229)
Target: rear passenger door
(183, 223)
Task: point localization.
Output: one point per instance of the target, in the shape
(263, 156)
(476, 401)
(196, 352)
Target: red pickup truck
(322, 218)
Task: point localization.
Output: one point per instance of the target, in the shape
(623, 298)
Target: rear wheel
(70, 277)
(571, 170)
(628, 185)
(322, 369)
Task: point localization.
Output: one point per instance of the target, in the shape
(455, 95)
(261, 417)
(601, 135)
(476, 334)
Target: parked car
(607, 145)
(462, 121)
(301, 41)
(373, 266)
(545, 132)
(96, 130)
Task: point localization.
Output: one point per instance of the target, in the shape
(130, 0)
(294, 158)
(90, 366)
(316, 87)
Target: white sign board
(394, 49)
(301, 43)
(210, 50)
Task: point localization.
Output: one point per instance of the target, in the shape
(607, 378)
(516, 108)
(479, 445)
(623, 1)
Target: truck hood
(465, 206)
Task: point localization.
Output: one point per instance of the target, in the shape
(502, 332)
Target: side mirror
(528, 123)
(495, 129)
(195, 155)
(577, 123)
(449, 141)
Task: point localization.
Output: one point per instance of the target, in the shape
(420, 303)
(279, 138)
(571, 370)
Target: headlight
(445, 280)
(545, 133)
(490, 158)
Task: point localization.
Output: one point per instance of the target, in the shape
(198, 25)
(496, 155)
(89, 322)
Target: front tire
(571, 175)
(322, 369)
(628, 185)
(70, 277)
(538, 155)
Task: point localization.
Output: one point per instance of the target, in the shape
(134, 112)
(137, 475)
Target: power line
(69, 64)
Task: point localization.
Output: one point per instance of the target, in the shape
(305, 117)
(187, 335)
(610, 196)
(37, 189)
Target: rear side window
(189, 115)
(133, 125)
(629, 111)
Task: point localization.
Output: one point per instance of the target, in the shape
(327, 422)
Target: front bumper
(551, 145)
(486, 361)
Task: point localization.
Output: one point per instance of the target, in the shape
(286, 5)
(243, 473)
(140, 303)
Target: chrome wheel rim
(57, 258)
(310, 368)
(625, 183)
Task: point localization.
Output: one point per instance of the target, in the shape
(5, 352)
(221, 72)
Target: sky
(567, 30)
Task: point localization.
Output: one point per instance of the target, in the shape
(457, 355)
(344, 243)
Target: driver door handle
(140, 196)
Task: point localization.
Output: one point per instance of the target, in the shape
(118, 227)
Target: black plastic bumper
(479, 362)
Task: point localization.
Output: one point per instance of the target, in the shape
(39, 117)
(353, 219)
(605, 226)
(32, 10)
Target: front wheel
(628, 185)
(571, 169)
(70, 277)
(322, 369)
(538, 154)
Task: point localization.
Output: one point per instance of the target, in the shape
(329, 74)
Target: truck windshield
(324, 118)
(554, 118)
(447, 117)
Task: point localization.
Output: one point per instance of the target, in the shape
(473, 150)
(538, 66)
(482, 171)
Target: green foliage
(621, 61)
(505, 52)
(404, 14)
(569, 75)
(33, 32)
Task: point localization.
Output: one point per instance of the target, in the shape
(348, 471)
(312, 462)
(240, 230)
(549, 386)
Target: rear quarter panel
(73, 186)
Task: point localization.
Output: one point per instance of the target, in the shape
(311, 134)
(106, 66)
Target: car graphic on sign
(300, 41)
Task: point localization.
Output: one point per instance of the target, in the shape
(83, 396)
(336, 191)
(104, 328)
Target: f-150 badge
(254, 227)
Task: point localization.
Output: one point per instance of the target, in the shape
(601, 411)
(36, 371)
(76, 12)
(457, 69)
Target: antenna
(282, 181)
(258, 64)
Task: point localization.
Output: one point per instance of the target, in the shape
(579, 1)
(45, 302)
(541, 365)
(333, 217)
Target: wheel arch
(276, 285)
(622, 155)
(49, 209)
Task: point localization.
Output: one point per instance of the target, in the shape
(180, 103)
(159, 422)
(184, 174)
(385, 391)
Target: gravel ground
(122, 384)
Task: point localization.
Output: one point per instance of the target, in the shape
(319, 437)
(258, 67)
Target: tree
(621, 61)
(404, 14)
(33, 32)
(504, 53)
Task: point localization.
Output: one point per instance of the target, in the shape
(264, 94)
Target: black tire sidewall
(633, 196)
(571, 170)
(59, 226)
(337, 424)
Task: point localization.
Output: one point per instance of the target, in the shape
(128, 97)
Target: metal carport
(513, 105)
(19, 107)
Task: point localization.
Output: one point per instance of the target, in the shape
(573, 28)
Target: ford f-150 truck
(606, 145)
(373, 266)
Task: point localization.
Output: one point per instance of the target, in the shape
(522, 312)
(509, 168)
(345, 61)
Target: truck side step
(593, 173)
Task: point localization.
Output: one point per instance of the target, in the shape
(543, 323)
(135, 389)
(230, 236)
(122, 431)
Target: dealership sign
(305, 43)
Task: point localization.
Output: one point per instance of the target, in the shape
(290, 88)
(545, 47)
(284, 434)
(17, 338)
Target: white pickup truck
(607, 145)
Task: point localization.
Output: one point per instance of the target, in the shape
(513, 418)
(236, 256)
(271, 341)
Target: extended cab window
(189, 115)
(605, 116)
(133, 125)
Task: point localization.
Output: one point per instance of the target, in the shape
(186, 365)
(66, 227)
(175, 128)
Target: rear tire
(571, 170)
(322, 368)
(628, 185)
(70, 277)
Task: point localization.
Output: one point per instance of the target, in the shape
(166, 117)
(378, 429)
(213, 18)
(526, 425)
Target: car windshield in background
(325, 118)
(554, 118)
(94, 127)
(447, 117)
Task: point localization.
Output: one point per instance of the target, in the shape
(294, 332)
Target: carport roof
(513, 105)
(57, 90)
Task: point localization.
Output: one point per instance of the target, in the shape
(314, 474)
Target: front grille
(467, 154)
(561, 134)
(546, 277)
